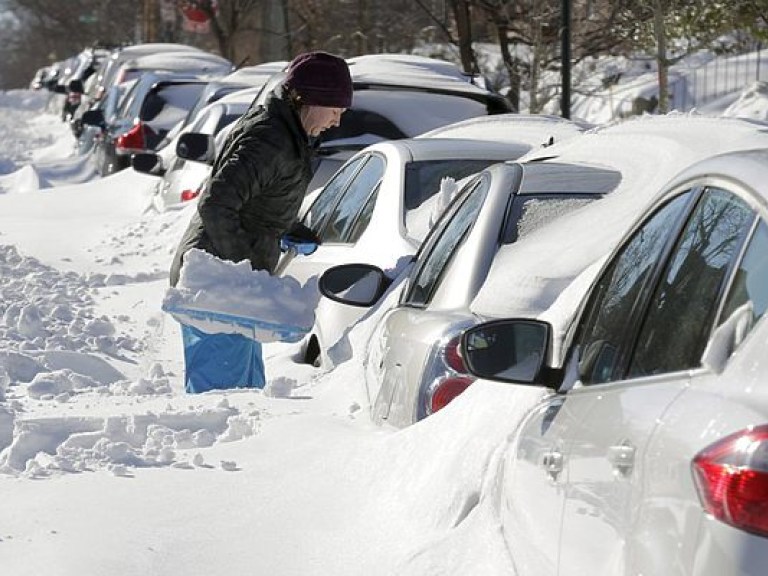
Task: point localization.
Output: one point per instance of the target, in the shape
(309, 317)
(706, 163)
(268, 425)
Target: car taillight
(452, 355)
(446, 390)
(449, 378)
(731, 477)
(131, 140)
(188, 194)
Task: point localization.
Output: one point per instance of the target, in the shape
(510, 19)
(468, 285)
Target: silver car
(414, 347)
(377, 209)
(413, 367)
(650, 455)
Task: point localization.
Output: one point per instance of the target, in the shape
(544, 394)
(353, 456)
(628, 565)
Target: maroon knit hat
(321, 79)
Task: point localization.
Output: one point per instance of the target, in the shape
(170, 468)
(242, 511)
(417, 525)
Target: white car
(650, 455)
(377, 209)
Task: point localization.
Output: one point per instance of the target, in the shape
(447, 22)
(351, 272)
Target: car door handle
(553, 463)
(622, 457)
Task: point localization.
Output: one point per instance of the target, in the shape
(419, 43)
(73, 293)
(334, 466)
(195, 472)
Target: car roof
(434, 148)
(410, 70)
(649, 154)
(750, 167)
(536, 129)
(186, 60)
(136, 50)
(692, 132)
(244, 95)
(257, 74)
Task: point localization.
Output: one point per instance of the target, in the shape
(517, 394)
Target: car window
(224, 121)
(748, 293)
(617, 293)
(168, 104)
(321, 208)
(355, 124)
(422, 183)
(127, 101)
(360, 188)
(444, 245)
(682, 311)
(528, 212)
(364, 218)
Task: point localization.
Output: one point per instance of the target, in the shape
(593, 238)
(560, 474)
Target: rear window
(530, 212)
(422, 183)
(168, 104)
(414, 112)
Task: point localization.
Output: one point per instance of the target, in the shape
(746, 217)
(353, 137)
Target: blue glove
(301, 239)
(299, 245)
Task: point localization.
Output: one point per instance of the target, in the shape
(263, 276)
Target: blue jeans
(220, 361)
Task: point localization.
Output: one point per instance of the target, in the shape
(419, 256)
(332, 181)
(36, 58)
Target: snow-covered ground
(108, 467)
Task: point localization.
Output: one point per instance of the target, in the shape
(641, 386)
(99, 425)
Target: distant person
(257, 184)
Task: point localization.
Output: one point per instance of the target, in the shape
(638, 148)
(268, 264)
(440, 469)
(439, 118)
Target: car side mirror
(354, 284)
(93, 118)
(197, 147)
(512, 350)
(148, 163)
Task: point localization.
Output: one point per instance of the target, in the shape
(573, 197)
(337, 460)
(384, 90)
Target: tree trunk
(464, 31)
(661, 55)
(510, 65)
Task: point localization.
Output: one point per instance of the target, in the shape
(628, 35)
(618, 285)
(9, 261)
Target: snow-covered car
(243, 78)
(411, 369)
(107, 75)
(650, 454)
(182, 178)
(415, 353)
(150, 108)
(397, 96)
(513, 127)
(377, 209)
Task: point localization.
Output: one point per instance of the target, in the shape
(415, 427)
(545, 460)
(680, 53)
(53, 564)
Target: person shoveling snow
(251, 202)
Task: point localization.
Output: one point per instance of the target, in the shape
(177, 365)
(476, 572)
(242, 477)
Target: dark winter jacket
(257, 184)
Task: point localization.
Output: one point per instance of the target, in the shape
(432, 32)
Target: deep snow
(108, 467)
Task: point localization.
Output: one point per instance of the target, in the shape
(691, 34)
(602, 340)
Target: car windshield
(530, 212)
(422, 183)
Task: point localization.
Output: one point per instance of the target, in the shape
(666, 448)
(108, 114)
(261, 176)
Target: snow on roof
(182, 60)
(259, 73)
(409, 70)
(649, 151)
(244, 95)
(153, 48)
(533, 129)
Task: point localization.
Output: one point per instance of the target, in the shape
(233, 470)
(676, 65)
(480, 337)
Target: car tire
(312, 352)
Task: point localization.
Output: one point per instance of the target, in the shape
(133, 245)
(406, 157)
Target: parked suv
(396, 96)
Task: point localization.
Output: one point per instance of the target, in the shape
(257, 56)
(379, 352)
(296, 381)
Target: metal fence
(697, 87)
